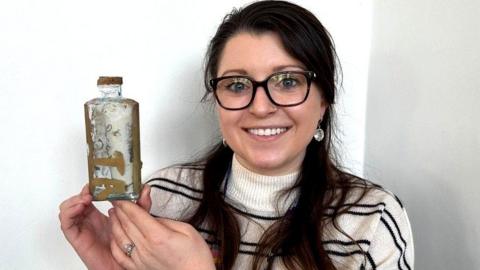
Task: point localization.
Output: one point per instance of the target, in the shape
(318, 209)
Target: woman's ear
(323, 108)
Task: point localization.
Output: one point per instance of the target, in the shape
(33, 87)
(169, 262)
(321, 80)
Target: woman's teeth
(266, 131)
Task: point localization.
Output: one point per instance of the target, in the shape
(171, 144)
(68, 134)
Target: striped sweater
(378, 223)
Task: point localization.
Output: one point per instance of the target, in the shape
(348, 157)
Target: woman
(269, 196)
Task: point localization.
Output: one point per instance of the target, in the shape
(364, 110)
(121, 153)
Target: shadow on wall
(404, 154)
(439, 226)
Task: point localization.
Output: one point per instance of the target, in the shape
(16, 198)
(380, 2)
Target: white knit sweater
(378, 223)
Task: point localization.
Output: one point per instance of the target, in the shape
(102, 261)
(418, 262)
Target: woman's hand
(159, 243)
(87, 230)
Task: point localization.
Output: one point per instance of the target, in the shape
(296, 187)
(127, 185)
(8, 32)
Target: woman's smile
(267, 132)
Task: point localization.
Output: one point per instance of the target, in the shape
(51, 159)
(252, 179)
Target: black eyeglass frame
(309, 75)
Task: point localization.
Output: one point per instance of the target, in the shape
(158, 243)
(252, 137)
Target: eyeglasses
(285, 88)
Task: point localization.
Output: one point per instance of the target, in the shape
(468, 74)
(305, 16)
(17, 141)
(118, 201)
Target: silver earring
(319, 134)
(224, 142)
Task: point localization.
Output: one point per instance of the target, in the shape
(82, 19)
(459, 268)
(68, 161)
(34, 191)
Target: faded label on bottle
(111, 143)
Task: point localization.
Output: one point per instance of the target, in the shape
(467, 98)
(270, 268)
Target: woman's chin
(270, 166)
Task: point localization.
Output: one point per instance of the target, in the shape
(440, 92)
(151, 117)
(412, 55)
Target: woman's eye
(236, 87)
(285, 81)
(288, 83)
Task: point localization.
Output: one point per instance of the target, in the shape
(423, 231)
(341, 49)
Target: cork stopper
(104, 80)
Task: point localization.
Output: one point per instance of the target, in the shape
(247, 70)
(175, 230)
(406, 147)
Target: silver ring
(129, 249)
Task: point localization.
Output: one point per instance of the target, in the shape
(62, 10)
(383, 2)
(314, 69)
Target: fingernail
(118, 204)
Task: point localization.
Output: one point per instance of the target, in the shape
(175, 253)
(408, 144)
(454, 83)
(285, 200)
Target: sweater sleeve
(176, 192)
(392, 243)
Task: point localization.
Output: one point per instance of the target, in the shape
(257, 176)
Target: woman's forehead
(251, 53)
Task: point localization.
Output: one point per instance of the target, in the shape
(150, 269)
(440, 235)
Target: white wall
(51, 53)
(423, 132)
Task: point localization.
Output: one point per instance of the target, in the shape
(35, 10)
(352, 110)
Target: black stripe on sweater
(176, 192)
(346, 243)
(326, 242)
(192, 167)
(175, 184)
(395, 240)
(398, 200)
(331, 252)
(352, 253)
(254, 253)
(371, 261)
(253, 215)
(359, 205)
(399, 232)
(349, 243)
(356, 213)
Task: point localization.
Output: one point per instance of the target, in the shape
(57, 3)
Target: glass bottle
(113, 139)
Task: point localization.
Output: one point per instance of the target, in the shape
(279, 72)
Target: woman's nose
(261, 104)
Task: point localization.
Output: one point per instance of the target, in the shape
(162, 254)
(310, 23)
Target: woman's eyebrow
(284, 67)
(235, 71)
(240, 71)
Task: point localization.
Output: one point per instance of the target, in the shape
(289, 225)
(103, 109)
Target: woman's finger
(178, 226)
(138, 220)
(120, 256)
(69, 216)
(74, 200)
(85, 190)
(70, 202)
(72, 208)
(119, 235)
(82, 197)
(125, 249)
(128, 225)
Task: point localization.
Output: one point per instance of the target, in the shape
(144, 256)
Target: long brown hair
(297, 237)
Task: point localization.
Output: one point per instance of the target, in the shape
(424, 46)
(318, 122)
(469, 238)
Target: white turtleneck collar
(259, 194)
